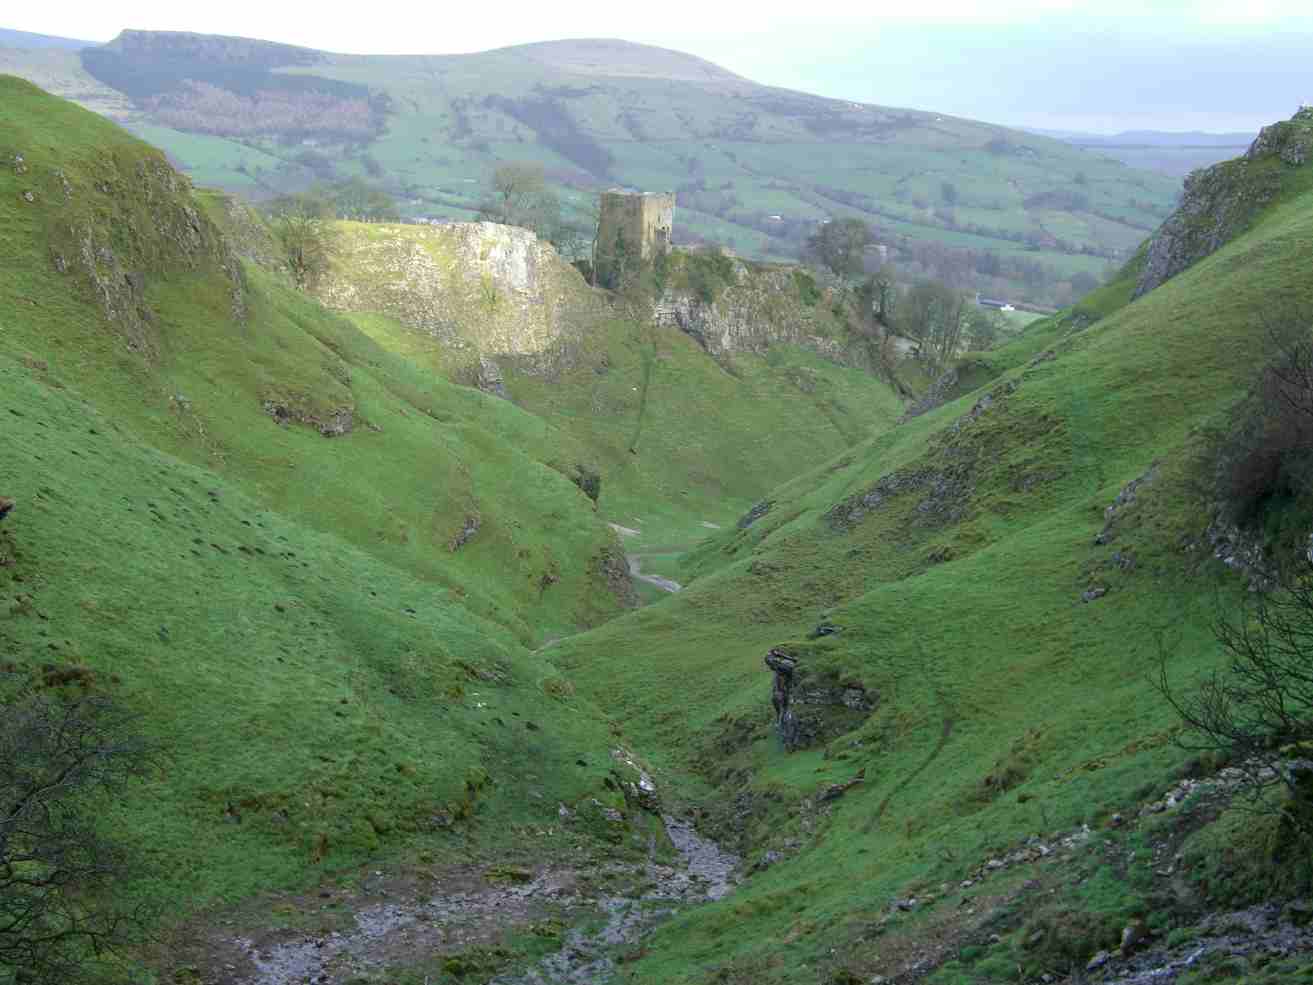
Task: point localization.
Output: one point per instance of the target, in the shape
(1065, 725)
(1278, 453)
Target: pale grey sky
(1073, 64)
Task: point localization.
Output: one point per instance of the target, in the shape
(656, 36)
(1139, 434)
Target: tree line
(939, 319)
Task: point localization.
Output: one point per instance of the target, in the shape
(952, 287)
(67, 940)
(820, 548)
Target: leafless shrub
(59, 908)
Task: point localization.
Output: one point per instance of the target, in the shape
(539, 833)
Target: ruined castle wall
(634, 228)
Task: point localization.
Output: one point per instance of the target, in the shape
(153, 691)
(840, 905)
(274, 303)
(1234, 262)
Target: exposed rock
(1291, 140)
(1123, 499)
(6, 505)
(1133, 935)
(1240, 551)
(635, 783)
(786, 723)
(836, 790)
(936, 395)
(761, 307)
(1093, 592)
(1098, 961)
(824, 629)
(333, 424)
(1219, 203)
(490, 378)
(468, 529)
(944, 496)
(486, 289)
(985, 402)
(753, 515)
(338, 423)
(813, 707)
(115, 269)
(613, 566)
(1124, 560)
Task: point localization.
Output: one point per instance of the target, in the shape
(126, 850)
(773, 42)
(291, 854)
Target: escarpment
(1221, 202)
(728, 306)
(480, 288)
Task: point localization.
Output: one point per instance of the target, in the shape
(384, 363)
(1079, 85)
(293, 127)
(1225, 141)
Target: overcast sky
(1066, 64)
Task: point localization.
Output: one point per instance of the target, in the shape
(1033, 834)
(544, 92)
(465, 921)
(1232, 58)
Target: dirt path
(407, 922)
(635, 562)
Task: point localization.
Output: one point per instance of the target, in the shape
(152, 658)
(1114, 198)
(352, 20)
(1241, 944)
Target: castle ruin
(634, 228)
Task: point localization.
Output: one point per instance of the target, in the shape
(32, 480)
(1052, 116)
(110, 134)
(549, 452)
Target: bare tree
(519, 196)
(58, 875)
(304, 229)
(935, 315)
(1257, 710)
(839, 245)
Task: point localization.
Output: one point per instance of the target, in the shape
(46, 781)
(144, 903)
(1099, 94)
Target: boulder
(812, 704)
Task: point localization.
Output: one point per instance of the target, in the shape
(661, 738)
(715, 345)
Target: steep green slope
(313, 704)
(230, 369)
(311, 563)
(961, 637)
(327, 677)
(755, 167)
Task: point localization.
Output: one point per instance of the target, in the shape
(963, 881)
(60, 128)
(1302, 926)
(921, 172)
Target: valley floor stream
(414, 923)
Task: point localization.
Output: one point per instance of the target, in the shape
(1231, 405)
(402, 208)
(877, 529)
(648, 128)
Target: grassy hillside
(327, 677)
(683, 442)
(312, 564)
(947, 563)
(316, 569)
(756, 168)
(247, 393)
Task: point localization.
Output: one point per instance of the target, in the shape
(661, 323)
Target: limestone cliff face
(1220, 203)
(760, 307)
(488, 289)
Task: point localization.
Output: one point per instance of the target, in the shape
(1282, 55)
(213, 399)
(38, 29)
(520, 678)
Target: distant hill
(755, 168)
(23, 39)
(613, 58)
(1165, 151)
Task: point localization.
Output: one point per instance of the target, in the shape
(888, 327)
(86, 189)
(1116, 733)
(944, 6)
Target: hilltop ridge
(756, 168)
(617, 58)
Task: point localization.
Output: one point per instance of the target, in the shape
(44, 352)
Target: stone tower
(634, 229)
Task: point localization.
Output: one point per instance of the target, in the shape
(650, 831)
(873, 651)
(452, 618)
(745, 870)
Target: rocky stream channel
(446, 917)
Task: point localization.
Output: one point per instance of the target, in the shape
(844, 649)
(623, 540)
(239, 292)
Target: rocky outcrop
(489, 290)
(135, 221)
(1121, 502)
(939, 393)
(753, 515)
(1220, 203)
(759, 307)
(813, 706)
(331, 423)
(944, 494)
